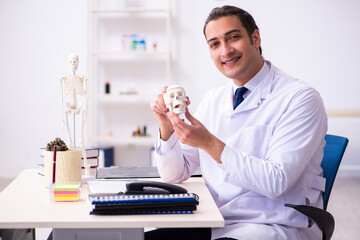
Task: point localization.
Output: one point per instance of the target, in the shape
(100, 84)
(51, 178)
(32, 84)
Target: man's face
(231, 49)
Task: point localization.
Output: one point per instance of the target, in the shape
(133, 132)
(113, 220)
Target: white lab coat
(274, 147)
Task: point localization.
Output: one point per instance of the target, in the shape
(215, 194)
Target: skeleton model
(175, 99)
(74, 101)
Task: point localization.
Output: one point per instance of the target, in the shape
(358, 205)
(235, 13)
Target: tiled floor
(343, 205)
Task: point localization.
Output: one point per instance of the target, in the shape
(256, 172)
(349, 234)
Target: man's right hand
(159, 109)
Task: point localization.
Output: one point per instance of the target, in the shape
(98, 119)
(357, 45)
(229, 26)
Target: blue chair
(333, 153)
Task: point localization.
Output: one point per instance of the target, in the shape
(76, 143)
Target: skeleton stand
(74, 132)
(83, 150)
(74, 100)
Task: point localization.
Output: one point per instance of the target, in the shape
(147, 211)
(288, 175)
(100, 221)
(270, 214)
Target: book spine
(140, 212)
(114, 199)
(90, 152)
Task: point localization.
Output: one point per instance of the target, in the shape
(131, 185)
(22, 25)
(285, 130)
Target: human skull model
(73, 63)
(175, 99)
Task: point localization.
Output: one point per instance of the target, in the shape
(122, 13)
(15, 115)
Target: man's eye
(234, 37)
(212, 45)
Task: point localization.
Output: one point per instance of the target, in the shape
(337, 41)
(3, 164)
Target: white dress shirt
(274, 147)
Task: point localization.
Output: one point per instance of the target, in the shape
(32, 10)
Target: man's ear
(256, 38)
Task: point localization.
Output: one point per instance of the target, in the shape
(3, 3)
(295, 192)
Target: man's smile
(231, 61)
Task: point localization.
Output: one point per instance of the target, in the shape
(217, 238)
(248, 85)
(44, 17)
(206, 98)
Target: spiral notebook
(184, 203)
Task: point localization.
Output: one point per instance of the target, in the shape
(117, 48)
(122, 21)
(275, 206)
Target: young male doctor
(256, 156)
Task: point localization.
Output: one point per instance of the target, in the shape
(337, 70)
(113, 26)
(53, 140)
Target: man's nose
(227, 50)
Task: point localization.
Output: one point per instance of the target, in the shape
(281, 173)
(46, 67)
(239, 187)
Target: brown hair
(245, 18)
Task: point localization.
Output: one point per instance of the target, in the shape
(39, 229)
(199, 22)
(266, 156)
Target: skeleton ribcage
(74, 92)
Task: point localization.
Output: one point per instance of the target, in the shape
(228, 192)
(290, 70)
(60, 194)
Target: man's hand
(196, 135)
(159, 109)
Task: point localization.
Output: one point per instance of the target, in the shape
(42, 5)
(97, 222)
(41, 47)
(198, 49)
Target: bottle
(134, 42)
(141, 44)
(107, 87)
(125, 42)
(144, 131)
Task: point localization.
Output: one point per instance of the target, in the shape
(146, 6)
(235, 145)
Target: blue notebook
(184, 203)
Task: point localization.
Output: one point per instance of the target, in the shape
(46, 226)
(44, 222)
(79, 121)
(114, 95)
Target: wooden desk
(26, 203)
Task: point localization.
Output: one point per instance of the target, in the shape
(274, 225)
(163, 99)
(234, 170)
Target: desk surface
(25, 203)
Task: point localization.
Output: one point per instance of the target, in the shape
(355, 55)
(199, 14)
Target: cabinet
(129, 47)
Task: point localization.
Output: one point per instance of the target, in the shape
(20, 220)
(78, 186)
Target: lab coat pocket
(254, 140)
(255, 208)
(314, 186)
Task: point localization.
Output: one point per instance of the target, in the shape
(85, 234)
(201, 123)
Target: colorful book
(93, 162)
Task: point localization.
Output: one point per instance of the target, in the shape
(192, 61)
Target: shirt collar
(250, 85)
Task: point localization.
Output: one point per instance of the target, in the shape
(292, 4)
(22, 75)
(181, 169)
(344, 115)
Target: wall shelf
(135, 74)
(128, 53)
(125, 98)
(130, 10)
(126, 140)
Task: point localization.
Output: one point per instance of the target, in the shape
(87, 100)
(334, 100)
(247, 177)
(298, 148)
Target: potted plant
(67, 163)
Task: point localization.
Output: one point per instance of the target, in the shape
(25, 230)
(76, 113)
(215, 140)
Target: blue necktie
(239, 96)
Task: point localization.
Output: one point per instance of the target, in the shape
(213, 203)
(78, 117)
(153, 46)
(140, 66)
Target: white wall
(36, 38)
(316, 41)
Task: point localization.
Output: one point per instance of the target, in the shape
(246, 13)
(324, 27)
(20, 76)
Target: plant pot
(68, 166)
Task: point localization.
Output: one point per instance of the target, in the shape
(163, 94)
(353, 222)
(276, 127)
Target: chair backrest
(333, 153)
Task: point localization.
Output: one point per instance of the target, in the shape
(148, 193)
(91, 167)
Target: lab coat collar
(259, 87)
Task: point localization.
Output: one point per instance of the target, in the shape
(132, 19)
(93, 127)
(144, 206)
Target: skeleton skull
(73, 63)
(175, 99)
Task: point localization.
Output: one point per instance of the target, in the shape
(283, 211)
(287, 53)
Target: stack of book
(92, 155)
(180, 203)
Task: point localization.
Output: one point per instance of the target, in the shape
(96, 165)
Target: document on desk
(107, 186)
(115, 172)
(131, 172)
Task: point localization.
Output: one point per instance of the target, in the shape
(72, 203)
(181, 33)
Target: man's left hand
(196, 135)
